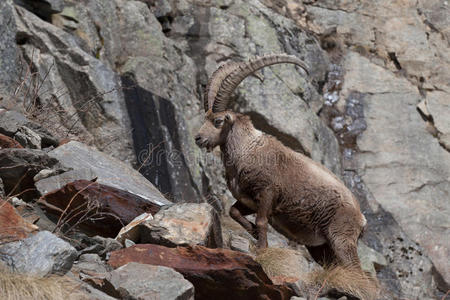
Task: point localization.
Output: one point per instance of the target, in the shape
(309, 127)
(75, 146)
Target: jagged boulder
(40, 254)
(183, 224)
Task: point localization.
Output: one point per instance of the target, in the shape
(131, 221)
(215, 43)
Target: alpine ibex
(299, 197)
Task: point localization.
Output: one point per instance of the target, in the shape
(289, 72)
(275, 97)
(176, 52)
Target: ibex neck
(241, 140)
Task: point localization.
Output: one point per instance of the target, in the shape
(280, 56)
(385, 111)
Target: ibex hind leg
(322, 254)
(343, 240)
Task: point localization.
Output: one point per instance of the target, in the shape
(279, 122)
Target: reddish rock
(12, 226)
(215, 273)
(109, 208)
(7, 142)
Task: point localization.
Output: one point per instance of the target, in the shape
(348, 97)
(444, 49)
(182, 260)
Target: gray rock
(44, 174)
(98, 245)
(91, 293)
(183, 224)
(19, 166)
(128, 243)
(41, 254)
(56, 182)
(370, 259)
(90, 263)
(12, 122)
(108, 170)
(28, 138)
(153, 282)
(239, 243)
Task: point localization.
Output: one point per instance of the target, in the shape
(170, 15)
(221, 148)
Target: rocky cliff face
(127, 77)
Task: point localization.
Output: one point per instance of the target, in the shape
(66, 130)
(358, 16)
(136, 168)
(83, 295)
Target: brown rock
(109, 208)
(215, 273)
(12, 226)
(183, 224)
(7, 142)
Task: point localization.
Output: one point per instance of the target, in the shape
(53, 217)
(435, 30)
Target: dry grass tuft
(15, 286)
(347, 280)
(286, 264)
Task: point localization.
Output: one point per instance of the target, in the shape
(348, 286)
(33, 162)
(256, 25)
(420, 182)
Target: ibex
(300, 198)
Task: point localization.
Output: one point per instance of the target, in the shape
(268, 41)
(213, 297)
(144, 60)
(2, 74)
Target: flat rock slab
(12, 226)
(215, 273)
(153, 282)
(108, 170)
(111, 208)
(56, 182)
(183, 224)
(41, 254)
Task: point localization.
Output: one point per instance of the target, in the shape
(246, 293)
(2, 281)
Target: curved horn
(215, 81)
(224, 81)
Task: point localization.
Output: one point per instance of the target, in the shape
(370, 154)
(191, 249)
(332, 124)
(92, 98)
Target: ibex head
(218, 94)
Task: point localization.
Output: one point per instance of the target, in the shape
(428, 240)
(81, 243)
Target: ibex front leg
(264, 201)
(238, 211)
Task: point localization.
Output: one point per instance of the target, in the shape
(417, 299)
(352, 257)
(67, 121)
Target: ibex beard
(300, 198)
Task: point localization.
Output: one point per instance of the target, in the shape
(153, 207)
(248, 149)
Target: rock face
(183, 224)
(41, 254)
(395, 67)
(215, 273)
(88, 202)
(403, 165)
(86, 91)
(12, 226)
(154, 282)
(8, 50)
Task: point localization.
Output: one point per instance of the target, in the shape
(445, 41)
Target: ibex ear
(229, 118)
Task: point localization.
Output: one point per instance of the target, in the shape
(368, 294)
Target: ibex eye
(218, 122)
